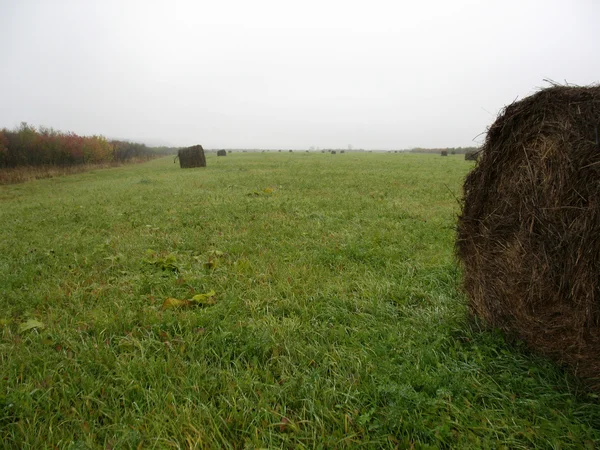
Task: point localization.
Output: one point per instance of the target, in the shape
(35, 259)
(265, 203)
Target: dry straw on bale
(191, 157)
(221, 153)
(529, 232)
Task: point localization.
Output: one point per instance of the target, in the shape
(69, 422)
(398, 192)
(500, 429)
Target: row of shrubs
(28, 146)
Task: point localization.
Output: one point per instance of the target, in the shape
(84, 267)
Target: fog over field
(272, 74)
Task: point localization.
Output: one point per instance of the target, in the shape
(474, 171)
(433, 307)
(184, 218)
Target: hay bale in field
(229, 151)
(444, 152)
(471, 155)
(333, 152)
(191, 157)
(290, 151)
(221, 153)
(528, 232)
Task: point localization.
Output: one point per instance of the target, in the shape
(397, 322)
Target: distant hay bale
(290, 151)
(322, 151)
(444, 152)
(191, 157)
(342, 151)
(229, 151)
(471, 155)
(333, 152)
(221, 153)
(528, 232)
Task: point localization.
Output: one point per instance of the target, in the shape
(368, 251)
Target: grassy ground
(24, 174)
(336, 320)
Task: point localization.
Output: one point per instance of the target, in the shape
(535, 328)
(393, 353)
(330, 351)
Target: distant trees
(451, 150)
(124, 150)
(28, 146)
(3, 148)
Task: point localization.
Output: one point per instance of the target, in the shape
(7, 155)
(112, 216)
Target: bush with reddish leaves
(28, 146)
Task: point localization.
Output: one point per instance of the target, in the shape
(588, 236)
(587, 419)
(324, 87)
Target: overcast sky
(287, 74)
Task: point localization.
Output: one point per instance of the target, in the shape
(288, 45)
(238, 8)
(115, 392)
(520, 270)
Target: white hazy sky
(287, 74)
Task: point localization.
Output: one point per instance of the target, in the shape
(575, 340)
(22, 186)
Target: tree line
(450, 150)
(27, 146)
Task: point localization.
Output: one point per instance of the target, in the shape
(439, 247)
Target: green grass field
(337, 319)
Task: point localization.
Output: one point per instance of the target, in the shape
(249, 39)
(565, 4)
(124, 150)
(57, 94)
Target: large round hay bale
(221, 153)
(528, 235)
(191, 157)
(333, 152)
(471, 155)
(444, 152)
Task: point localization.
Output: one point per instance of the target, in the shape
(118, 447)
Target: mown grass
(338, 320)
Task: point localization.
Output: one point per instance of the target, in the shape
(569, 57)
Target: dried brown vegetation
(192, 157)
(529, 232)
(471, 155)
(23, 174)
